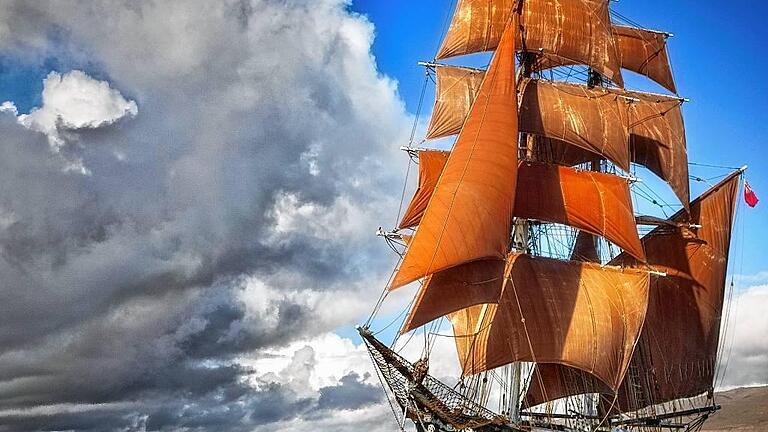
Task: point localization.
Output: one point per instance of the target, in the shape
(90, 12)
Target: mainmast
(534, 157)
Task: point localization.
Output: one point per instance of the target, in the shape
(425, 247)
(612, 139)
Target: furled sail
(431, 164)
(467, 218)
(676, 352)
(455, 92)
(594, 202)
(563, 312)
(577, 30)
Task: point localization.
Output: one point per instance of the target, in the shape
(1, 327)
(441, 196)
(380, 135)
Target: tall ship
(569, 308)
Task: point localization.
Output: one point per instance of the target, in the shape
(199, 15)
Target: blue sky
(716, 57)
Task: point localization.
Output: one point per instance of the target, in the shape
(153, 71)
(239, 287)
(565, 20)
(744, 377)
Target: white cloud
(76, 101)
(746, 357)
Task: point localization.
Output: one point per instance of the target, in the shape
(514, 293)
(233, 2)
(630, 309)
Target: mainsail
(677, 349)
(524, 234)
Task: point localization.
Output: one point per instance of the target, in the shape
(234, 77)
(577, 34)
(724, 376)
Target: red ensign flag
(749, 195)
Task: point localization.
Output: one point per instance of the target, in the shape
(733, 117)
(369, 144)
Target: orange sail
(591, 201)
(676, 352)
(456, 90)
(645, 52)
(431, 164)
(657, 140)
(454, 289)
(641, 51)
(643, 128)
(577, 30)
(550, 381)
(563, 312)
(468, 216)
(593, 119)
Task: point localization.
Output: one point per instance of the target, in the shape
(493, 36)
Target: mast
(531, 166)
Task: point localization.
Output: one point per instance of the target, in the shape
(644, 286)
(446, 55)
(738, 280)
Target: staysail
(456, 89)
(431, 164)
(467, 218)
(676, 352)
(576, 30)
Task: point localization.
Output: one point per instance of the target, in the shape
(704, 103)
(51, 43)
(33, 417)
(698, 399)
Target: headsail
(577, 30)
(467, 218)
(431, 164)
(455, 92)
(676, 353)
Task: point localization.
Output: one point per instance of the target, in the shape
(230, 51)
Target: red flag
(749, 195)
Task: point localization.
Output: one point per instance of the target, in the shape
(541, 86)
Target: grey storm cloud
(262, 150)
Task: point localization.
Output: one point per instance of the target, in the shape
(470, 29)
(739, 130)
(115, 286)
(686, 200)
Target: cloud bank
(232, 160)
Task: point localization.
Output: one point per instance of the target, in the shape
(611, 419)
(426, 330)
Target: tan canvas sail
(551, 381)
(563, 312)
(657, 140)
(676, 353)
(641, 51)
(645, 52)
(654, 123)
(467, 218)
(454, 289)
(431, 164)
(594, 202)
(593, 119)
(577, 30)
(456, 89)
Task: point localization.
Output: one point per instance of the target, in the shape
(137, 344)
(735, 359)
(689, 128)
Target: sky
(190, 192)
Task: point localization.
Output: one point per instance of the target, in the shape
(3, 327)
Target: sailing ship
(526, 239)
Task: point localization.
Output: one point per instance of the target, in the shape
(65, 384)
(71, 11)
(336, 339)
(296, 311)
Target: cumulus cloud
(230, 218)
(76, 101)
(746, 346)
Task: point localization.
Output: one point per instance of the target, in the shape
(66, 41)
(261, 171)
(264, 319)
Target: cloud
(231, 217)
(76, 101)
(746, 348)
